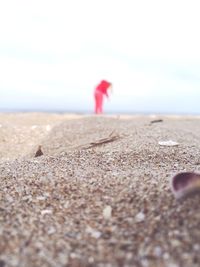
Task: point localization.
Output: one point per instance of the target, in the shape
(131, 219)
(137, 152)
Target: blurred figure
(100, 91)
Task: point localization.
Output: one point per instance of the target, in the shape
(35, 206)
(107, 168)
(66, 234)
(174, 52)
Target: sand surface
(91, 204)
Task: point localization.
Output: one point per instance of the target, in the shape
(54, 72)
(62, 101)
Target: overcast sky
(54, 52)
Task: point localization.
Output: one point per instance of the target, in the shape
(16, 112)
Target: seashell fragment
(33, 127)
(44, 212)
(185, 184)
(168, 143)
(140, 217)
(48, 128)
(94, 233)
(107, 212)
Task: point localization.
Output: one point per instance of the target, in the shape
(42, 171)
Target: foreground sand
(53, 208)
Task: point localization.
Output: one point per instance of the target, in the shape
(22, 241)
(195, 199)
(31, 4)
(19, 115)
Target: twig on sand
(156, 121)
(112, 137)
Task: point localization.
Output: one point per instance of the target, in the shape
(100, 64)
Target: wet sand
(95, 204)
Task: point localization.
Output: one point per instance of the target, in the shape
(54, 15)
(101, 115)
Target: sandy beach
(100, 195)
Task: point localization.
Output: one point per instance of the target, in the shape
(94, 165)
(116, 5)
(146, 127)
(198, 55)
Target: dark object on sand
(185, 184)
(2, 263)
(156, 121)
(39, 152)
(112, 137)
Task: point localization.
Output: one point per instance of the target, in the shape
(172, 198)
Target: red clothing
(98, 96)
(100, 91)
(103, 87)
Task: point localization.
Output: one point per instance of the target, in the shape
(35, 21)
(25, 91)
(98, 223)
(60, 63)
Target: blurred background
(54, 52)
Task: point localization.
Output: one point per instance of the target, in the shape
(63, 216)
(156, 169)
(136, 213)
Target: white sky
(53, 53)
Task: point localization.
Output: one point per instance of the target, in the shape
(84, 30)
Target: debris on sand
(168, 143)
(140, 217)
(156, 121)
(39, 151)
(112, 137)
(107, 212)
(185, 184)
